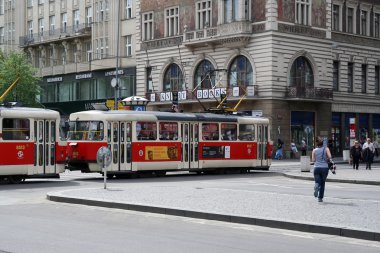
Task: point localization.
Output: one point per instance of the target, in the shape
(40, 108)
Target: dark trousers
(355, 162)
(320, 176)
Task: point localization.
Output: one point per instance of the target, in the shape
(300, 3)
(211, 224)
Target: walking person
(293, 147)
(278, 155)
(368, 153)
(319, 157)
(355, 155)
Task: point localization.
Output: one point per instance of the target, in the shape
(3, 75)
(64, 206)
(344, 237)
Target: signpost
(103, 158)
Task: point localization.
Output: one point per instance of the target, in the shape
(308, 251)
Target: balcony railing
(56, 34)
(204, 94)
(309, 93)
(231, 33)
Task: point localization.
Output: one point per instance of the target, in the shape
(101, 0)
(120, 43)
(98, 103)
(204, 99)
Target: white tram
(29, 144)
(165, 141)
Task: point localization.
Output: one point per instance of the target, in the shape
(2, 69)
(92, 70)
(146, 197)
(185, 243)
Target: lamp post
(115, 84)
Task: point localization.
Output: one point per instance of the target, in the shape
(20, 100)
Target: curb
(308, 228)
(348, 181)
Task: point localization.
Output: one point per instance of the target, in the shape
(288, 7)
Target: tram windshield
(86, 130)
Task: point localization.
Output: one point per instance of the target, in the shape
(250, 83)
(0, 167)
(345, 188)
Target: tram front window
(86, 131)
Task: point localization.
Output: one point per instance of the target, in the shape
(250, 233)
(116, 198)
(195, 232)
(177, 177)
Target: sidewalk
(215, 201)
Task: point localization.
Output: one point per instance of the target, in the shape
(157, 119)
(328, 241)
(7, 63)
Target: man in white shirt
(368, 153)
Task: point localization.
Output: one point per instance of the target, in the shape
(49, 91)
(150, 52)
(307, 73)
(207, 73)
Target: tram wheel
(16, 179)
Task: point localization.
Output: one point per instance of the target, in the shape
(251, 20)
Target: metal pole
(104, 172)
(117, 54)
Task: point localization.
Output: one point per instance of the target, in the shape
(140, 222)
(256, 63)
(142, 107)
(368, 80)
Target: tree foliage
(12, 66)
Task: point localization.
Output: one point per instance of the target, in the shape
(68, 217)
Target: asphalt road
(30, 223)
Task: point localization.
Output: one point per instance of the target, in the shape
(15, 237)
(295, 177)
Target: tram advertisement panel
(161, 153)
(237, 150)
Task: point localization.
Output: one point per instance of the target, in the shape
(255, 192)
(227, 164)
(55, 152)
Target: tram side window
(146, 130)
(86, 130)
(247, 132)
(168, 131)
(210, 131)
(16, 129)
(229, 132)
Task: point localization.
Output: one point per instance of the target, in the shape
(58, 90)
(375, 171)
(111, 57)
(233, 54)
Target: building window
(147, 31)
(363, 22)
(231, 10)
(128, 45)
(376, 25)
(52, 25)
(173, 78)
(1, 35)
(171, 22)
(30, 29)
(203, 14)
(76, 20)
(303, 128)
(128, 9)
(301, 73)
(336, 75)
(88, 16)
(204, 77)
(64, 22)
(1, 7)
(29, 3)
(240, 72)
(364, 78)
(41, 26)
(350, 76)
(350, 20)
(303, 12)
(377, 80)
(336, 17)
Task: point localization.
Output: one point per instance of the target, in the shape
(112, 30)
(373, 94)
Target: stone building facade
(311, 66)
(78, 47)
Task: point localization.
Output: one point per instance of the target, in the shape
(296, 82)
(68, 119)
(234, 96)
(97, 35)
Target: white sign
(153, 97)
(250, 91)
(235, 91)
(227, 152)
(257, 113)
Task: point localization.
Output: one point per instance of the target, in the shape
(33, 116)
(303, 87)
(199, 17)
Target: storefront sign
(83, 76)
(113, 73)
(54, 79)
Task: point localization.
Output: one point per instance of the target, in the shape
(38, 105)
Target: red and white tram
(165, 141)
(29, 144)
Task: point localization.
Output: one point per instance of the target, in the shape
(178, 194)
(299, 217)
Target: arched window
(301, 73)
(240, 72)
(204, 77)
(173, 78)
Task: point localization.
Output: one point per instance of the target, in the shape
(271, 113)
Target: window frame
(350, 29)
(171, 21)
(336, 67)
(147, 30)
(350, 76)
(240, 81)
(303, 12)
(203, 13)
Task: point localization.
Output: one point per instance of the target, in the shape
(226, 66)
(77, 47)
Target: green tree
(15, 65)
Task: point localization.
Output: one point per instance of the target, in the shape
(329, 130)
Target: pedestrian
(355, 155)
(293, 147)
(303, 147)
(319, 157)
(278, 155)
(368, 153)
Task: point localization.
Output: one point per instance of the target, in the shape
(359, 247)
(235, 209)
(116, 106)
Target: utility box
(346, 155)
(305, 163)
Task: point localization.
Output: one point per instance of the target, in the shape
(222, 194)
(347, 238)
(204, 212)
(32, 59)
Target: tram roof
(118, 115)
(27, 112)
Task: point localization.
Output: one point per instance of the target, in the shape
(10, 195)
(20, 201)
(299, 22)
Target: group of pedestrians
(365, 153)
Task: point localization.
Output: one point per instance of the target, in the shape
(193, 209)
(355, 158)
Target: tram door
(262, 141)
(119, 142)
(44, 146)
(190, 138)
